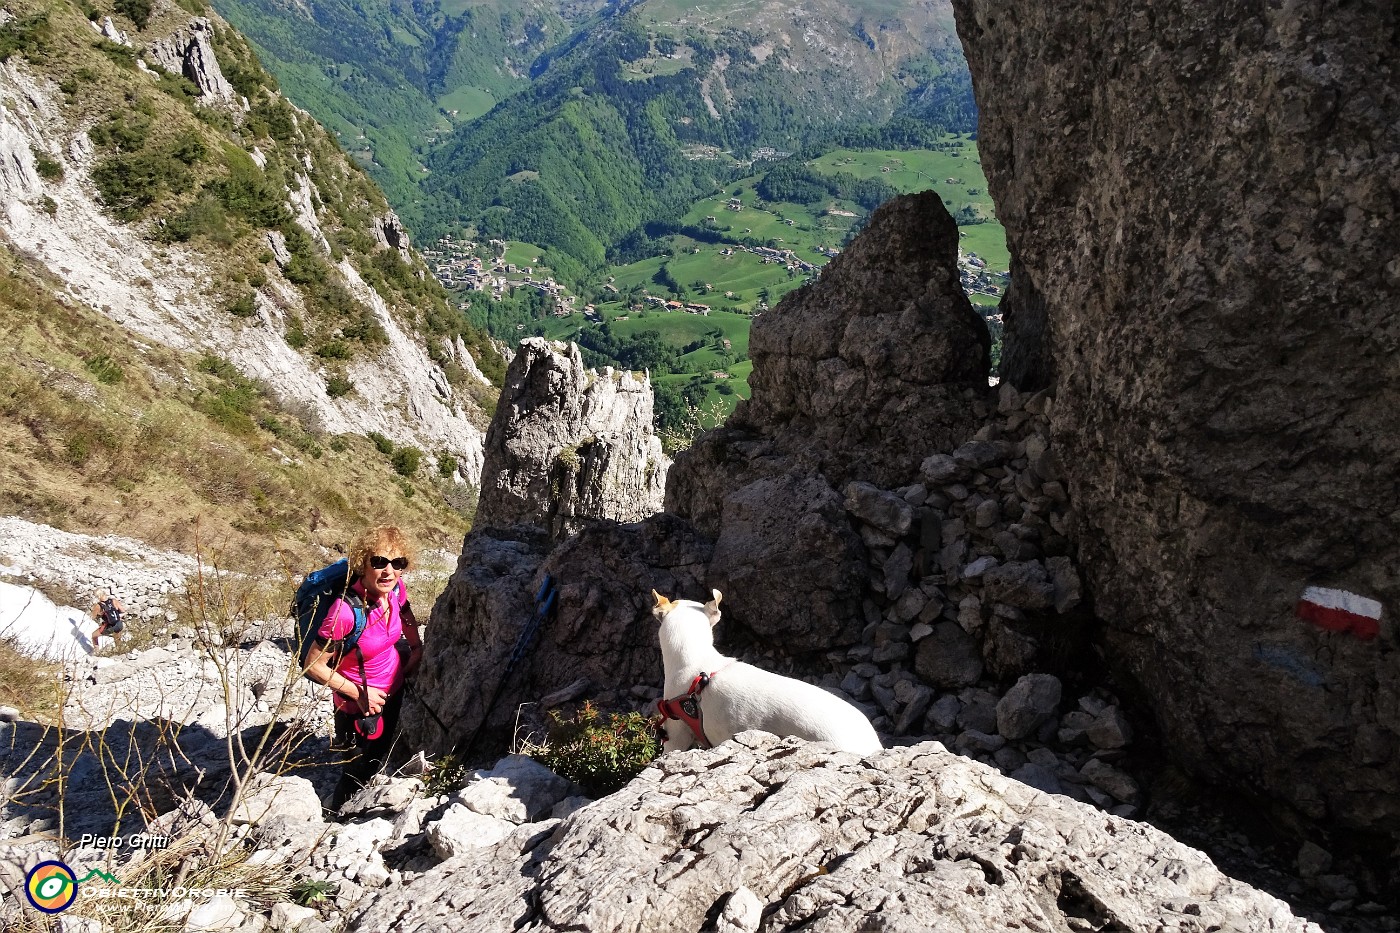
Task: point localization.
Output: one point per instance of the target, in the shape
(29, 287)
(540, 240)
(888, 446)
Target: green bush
(445, 775)
(189, 148)
(407, 460)
(229, 408)
(178, 87)
(296, 333)
(123, 55)
(204, 217)
(338, 386)
(125, 130)
(47, 167)
(340, 444)
(128, 183)
(106, 369)
(217, 366)
(334, 350)
(244, 306)
(138, 11)
(447, 465)
(382, 443)
(29, 35)
(602, 756)
(248, 193)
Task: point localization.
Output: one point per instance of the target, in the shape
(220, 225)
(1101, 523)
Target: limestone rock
(517, 788)
(189, 52)
(389, 232)
(278, 795)
(948, 658)
(1203, 197)
(911, 839)
(461, 829)
(601, 630)
(865, 369)
(1031, 702)
(567, 444)
(791, 568)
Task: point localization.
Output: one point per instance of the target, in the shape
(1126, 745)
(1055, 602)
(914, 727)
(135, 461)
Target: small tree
(407, 460)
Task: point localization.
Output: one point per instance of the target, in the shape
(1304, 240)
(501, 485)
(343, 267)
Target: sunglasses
(379, 562)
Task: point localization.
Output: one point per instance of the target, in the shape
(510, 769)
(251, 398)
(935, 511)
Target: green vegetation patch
(599, 753)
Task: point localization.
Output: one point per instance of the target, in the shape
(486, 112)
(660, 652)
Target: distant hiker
(110, 615)
(367, 680)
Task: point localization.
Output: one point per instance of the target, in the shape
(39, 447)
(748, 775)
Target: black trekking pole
(544, 605)
(408, 685)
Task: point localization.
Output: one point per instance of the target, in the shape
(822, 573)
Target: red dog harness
(686, 708)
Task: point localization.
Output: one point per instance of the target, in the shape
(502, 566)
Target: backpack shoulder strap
(357, 606)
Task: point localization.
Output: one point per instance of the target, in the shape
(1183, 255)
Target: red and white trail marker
(1340, 611)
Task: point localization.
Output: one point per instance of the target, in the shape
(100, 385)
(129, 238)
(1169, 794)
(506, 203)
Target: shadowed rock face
(858, 376)
(864, 370)
(1206, 196)
(598, 643)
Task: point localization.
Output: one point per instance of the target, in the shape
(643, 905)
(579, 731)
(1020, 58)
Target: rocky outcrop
(389, 233)
(568, 444)
(864, 372)
(480, 673)
(1205, 197)
(780, 835)
(190, 52)
(859, 376)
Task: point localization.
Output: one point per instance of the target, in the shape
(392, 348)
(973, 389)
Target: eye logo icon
(51, 887)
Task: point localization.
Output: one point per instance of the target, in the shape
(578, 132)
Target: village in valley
(465, 266)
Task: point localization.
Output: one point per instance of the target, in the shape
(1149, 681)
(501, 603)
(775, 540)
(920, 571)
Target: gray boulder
(1030, 703)
(948, 658)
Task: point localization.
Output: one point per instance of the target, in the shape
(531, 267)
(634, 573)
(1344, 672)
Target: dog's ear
(712, 607)
(663, 605)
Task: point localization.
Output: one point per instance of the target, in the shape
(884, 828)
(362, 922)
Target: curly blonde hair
(381, 539)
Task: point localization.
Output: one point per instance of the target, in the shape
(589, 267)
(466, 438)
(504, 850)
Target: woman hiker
(367, 682)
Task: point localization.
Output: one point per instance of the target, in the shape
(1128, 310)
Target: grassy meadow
(102, 434)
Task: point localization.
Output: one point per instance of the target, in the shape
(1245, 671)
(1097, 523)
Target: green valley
(683, 312)
(643, 177)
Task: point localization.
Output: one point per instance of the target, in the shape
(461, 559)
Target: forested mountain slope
(652, 108)
(390, 78)
(645, 106)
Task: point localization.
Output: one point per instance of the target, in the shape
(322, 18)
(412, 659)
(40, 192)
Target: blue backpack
(312, 604)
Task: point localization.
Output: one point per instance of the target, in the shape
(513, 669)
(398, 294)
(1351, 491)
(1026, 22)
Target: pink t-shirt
(383, 627)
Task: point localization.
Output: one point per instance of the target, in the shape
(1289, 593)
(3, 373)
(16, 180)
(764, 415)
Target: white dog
(710, 697)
